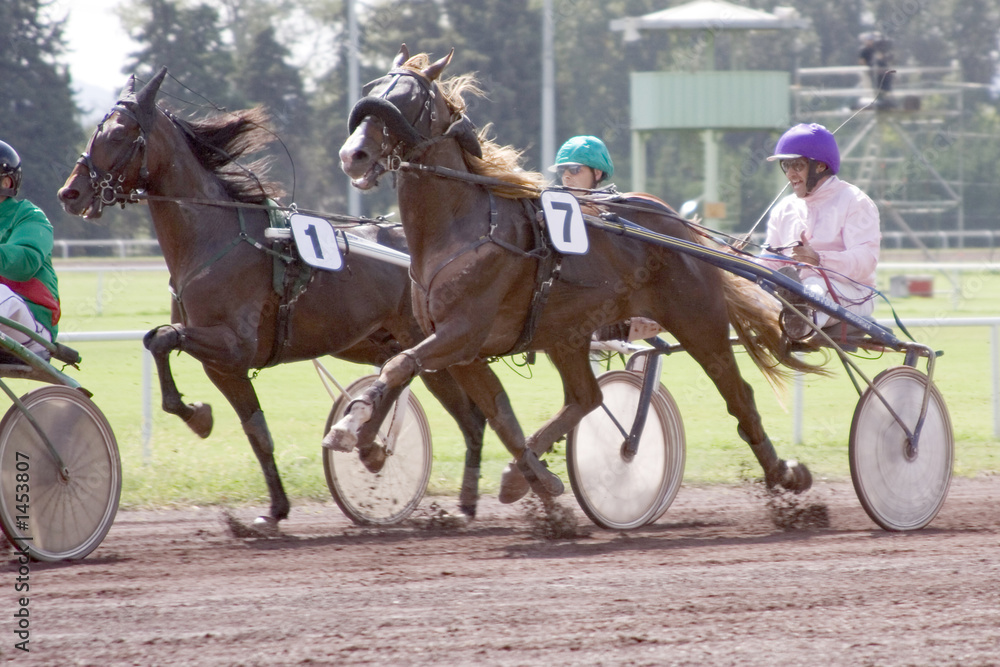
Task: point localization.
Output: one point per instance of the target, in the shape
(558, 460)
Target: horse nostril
(67, 194)
(349, 157)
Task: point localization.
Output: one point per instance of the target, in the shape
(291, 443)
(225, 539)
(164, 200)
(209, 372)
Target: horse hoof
(798, 479)
(374, 458)
(513, 485)
(340, 440)
(200, 420)
(468, 510)
(266, 525)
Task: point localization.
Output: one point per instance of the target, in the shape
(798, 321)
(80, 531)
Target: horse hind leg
(472, 423)
(719, 363)
(788, 474)
(160, 342)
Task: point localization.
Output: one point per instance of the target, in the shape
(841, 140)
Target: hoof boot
(373, 458)
(513, 485)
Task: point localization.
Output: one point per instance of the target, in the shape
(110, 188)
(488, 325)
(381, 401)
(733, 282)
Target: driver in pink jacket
(827, 223)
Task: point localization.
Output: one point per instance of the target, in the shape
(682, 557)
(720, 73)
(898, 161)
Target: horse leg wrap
(256, 430)
(165, 337)
(469, 494)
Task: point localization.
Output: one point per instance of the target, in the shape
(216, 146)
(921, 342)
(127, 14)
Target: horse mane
(499, 162)
(221, 140)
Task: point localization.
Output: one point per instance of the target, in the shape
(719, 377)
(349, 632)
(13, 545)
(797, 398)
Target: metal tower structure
(904, 148)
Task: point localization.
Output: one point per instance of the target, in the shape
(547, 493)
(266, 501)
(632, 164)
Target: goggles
(798, 164)
(571, 168)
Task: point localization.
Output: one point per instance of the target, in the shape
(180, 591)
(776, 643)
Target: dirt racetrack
(715, 582)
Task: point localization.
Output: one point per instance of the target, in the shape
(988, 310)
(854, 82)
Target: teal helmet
(588, 151)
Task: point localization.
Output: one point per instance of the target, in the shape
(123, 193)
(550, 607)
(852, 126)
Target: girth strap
(549, 268)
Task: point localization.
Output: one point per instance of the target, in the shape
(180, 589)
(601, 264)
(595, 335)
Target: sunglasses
(571, 168)
(798, 164)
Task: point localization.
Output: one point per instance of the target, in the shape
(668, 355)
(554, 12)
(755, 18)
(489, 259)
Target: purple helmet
(810, 141)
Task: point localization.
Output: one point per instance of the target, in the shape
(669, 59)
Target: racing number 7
(567, 209)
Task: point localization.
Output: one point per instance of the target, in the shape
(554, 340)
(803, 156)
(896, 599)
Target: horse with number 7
(487, 284)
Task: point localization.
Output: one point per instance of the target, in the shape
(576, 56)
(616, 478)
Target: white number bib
(317, 242)
(565, 222)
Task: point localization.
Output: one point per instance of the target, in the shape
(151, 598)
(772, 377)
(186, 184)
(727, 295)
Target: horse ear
(402, 56)
(146, 97)
(434, 71)
(129, 89)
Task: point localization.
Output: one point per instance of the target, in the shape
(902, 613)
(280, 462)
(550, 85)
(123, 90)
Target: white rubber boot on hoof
(340, 439)
(343, 436)
(513, 485)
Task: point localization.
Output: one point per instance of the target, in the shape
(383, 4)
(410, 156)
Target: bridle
(109, 185)
(412, 141)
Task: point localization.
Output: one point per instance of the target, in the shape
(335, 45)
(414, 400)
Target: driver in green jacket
(29, 289)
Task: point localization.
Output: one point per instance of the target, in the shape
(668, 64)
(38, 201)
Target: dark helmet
(10, 165)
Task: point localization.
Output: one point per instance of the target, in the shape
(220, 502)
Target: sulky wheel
(58, 515)
(901, 489)
(615, 493)
(390, 495)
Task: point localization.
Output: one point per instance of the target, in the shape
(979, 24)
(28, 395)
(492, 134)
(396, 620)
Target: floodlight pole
(548, 87)
(353, 93)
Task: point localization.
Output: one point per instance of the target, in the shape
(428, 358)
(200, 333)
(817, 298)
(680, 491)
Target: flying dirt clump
(550, 520)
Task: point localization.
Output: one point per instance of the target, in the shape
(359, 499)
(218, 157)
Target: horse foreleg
(372, 453)
(160, 342)
(365, 413)
(581, 395)
(472, 423)
(240, 393)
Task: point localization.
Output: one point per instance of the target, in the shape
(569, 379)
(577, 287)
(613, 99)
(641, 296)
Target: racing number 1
(316, 242)
(314, 235)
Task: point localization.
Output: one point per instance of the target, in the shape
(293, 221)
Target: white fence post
(799, 400)
(147, 376)
(147, 405)
(996, 380)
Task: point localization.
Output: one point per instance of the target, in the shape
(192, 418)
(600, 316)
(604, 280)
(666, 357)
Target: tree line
(290, 56)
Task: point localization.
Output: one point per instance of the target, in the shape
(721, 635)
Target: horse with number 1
(244, 302)
(487, 283)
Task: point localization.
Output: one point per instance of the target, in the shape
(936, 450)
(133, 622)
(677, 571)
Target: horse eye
(117, 133)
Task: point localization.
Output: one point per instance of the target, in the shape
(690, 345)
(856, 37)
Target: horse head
(114, 165)
(401, 116)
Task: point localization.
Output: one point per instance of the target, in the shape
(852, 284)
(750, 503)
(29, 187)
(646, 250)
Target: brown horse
(478, 265)
(240, 303)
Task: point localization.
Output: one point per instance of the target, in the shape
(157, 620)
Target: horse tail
(754, 316)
